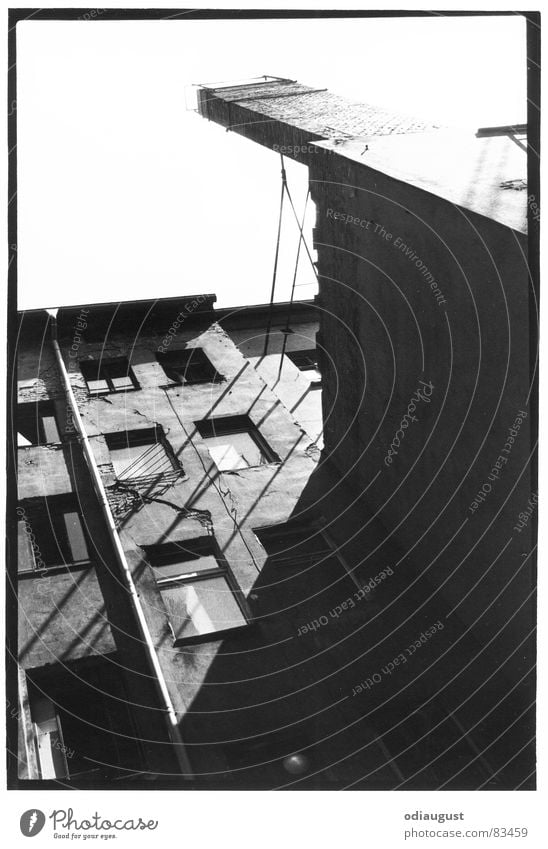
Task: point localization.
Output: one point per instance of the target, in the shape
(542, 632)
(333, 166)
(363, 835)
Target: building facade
(428, 313)
(199, 602)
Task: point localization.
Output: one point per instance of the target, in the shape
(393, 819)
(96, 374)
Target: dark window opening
(305, 549)
(36, 424)
(189, 366)
(307, 361)
(83, 726)
(142, 454)
(295, 544)
(201, 597)
(235, 443)
(51, 534)
(104, 376)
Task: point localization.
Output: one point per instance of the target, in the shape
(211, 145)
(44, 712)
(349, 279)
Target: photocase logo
(32, 822)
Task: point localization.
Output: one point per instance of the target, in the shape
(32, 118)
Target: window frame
(307, 359)
(227, 425)
(102, 368)
(48, 741)
(137, 434)
(37, 421)
(312, 528)
(52, 510)
(94, 678)
(177, 373)
(194, 548)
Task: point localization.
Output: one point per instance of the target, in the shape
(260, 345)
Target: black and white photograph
(272, 324)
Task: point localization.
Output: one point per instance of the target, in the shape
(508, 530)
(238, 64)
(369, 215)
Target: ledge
(451, 164)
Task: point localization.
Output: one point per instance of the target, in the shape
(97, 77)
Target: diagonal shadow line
(166, 533)
(268, 413)
(227, 389)
(212, 474)
(159, 464)
(230, 384)
(161, 481)
(301, 399)
(142, 457)
(153, 494)
(81, 635)
(58, 607)
(209, 478)
(255, 400)
(243, 518)
(274, 385)
(140, 503)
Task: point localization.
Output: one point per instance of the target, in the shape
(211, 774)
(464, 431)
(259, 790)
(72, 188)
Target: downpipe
(163, 692)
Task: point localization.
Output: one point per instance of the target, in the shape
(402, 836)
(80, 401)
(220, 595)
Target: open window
(295, 544)
(50, 745)
(201, 597)
(82, 723)
(307, 361)
(110, 375)
(36, 424)
(188, 366)
(51, 534)
(306, 548)
(143, 454)
(235, 443)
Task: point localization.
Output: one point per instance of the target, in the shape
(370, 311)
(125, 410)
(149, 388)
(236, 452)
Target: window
(50, 747)
(304, 546)
(199, 593)
(26, 561)
(36, 424)
(293, 544)
(141, 454)
(103, 376)
(235, 443)
(189, 366)
(83, 724)
(51, 533)
(307, 361)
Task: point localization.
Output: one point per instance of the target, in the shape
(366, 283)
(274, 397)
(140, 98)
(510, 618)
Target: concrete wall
(62, 617)
(256, 666)
(288, 117)
(293, 387)
(428, 337)
(427, 333)
(266, 678)
(277, 686)
(231, 504)
(67, 616)
(388, 334)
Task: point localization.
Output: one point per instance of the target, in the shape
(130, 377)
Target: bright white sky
(125, 193)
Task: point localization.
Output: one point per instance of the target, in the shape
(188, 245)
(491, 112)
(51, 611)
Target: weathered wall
(385, 329)
(291, 386)
(66, 616)
(428, 337)
(288, 117)
(277, 686)
(268, 678)
(62, 617)
(202, 498)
